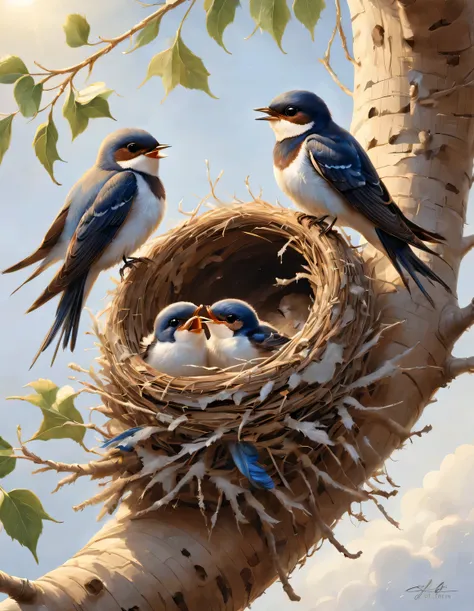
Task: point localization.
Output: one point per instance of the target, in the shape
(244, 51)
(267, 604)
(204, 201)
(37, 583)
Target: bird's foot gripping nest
(311, 221)
(131, 262)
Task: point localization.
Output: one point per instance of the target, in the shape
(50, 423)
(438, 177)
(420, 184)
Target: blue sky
(198, 128)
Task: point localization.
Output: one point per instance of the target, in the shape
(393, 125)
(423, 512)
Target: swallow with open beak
(327, 173)
(237, 336)
(109, 213)
(178, 346)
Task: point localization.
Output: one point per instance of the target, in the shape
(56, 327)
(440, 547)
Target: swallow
(237, 336)
(327, 173)
(178, 346)
(109, 213)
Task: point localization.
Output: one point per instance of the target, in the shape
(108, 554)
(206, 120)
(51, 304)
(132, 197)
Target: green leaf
(220, 13)
(22, 515)
(11, 69)
(44, 143)
(97, 108)
(74, 114)
(89, 103)
(28, 95)
(147, 35)
(92, 91)
(7, 463)
(179, 66)
(308, 12)
(60, 417)
(272, 16)
(5, 135)
(77, 30)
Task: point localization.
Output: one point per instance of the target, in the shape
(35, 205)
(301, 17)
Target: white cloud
(435, 543)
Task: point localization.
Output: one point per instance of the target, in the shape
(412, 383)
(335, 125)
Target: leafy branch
(21, 512)
(176, 65)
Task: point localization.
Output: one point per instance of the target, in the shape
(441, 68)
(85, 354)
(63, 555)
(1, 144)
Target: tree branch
(467, 244)
(454, 321)
(326, 60)
(21, 590)
(457, 366)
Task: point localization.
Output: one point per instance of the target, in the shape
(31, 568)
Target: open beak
(213, 318)
(194, 325)
(156, 152)
(272, 115)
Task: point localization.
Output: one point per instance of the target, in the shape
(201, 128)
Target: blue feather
(245, 457)
(116, 442)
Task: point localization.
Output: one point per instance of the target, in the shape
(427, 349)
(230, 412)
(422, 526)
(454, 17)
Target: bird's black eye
(291, 111)
(231, 318)
(174, 322)
(133, 147)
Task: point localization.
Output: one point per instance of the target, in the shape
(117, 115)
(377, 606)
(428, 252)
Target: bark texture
(413, 111)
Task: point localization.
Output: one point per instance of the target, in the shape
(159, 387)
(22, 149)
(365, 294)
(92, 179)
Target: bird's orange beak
(272, 114)
(194, 325)
(214, 319)
(156, 152)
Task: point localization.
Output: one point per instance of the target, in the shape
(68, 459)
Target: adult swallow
(178, 346)
(237, 336)
(108, 214)
(327, 173)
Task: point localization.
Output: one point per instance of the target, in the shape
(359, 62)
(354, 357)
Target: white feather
(187, 356)
(226, 350)
(284, 129)
(142, 163)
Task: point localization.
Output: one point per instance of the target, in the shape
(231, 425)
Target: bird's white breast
(144, 217)
(231, 352)
(302, 183)
(314, 195)
(187, 356)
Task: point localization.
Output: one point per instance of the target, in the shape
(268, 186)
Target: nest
(259, 253)
(292, 406)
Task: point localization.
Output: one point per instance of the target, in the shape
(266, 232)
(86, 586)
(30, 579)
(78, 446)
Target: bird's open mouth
(156, 152)
(194, 325)
(213, 318)
(272, 114)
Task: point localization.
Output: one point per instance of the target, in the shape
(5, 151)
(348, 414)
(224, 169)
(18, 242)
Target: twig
(110, 44)
(21, 590)
(343, 35)
(326, 63)
(455, 321)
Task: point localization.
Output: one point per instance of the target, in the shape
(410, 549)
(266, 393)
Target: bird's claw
(324, 228)
(130, 262)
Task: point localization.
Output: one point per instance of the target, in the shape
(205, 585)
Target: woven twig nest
(289, 406)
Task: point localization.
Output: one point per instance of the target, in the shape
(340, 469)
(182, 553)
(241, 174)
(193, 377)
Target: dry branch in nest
(299, 407)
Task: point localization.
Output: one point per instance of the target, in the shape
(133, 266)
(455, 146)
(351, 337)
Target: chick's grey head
(125, 146)
(237, 315)
(171, 318)
(299, 110)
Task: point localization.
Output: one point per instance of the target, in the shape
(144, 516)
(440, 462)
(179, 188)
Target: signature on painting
(431, 591)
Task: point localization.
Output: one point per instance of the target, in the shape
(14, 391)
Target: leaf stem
(186, 16)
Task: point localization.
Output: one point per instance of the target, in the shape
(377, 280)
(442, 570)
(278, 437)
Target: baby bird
(178, 345)
(237, 336)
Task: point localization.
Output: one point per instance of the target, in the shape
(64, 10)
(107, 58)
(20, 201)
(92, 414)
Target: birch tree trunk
(413, 111)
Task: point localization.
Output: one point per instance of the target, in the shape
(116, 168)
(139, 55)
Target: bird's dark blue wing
(98, 227)
(267, 338)
(245, 457)
(123, 441)
(343, 163)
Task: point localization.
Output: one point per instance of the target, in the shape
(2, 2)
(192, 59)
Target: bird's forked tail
(68, 316)
(402, 256)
